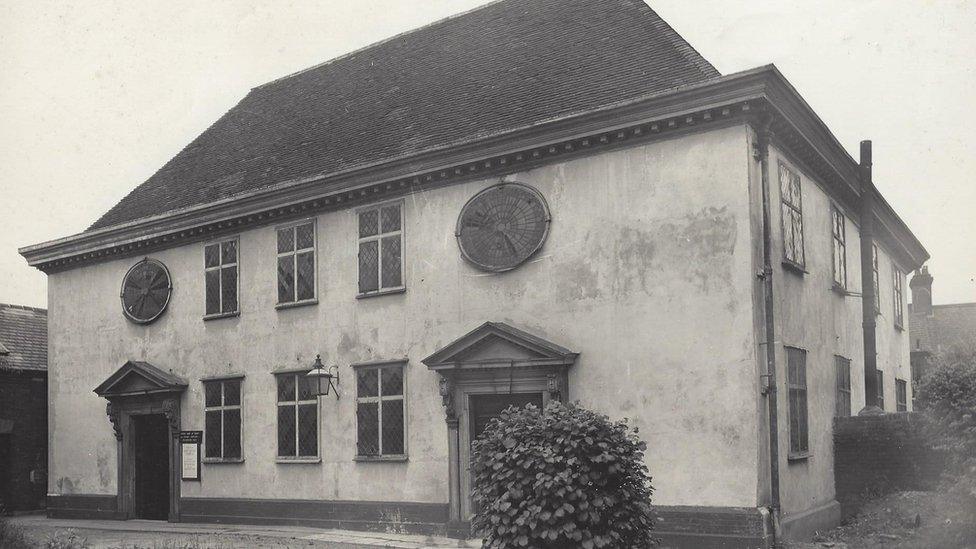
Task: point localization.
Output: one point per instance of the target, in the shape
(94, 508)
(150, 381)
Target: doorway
(152, 467)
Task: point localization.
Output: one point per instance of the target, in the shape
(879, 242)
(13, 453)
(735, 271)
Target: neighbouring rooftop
(23, 337)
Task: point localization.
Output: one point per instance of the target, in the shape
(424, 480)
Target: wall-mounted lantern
(322, 378)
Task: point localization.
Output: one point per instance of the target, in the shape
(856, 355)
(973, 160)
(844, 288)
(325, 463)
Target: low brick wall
(876, 455)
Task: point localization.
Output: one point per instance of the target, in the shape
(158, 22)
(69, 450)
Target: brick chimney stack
(921, 285)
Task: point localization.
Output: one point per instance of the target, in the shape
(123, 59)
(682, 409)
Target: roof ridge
(378, 43)
(24, 307)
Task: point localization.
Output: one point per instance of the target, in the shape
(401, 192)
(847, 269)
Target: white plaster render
(647, 273)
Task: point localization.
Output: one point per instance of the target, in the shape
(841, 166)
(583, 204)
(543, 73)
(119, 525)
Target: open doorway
(152, 467)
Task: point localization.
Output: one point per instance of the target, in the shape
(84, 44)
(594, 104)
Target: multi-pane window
(796, 362)
(842, 370)
(881, 389)
(379, 411)
(298, 413)
(899, 298)
(840, 247)
(901, 395)
(222, 419)
(220, 272)
(877, 278)
(296, 263)
(792, 216)
(381, 248)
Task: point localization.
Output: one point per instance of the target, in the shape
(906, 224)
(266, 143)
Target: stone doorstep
(377, 539)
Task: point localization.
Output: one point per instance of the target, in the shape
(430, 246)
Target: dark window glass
(211, 255)
(366, 382)
(368, 266)
(286, 430)
(286, 240)
(306, 390)
(308, 430)
(286, 388)
(367, 428)
(391, 218)
(901, 395)
(228, 283)
(211, 394)
(792, 216)
(391, 262)
(368, 223)
(881, 403)
(213, 291)
(305, 236)
(840, 248)
(842, 368)
(899, 298)
(392, 381)
(797, 384)
(232, 433)
(306, 275)
(392, 427)
(232, 393)
(228, 252)
(212, 434)
(286, 279)
(221, 277)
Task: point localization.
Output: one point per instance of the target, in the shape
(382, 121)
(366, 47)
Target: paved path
(164, 535)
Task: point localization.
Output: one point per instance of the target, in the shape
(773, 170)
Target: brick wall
(876, 455)
(23, 399)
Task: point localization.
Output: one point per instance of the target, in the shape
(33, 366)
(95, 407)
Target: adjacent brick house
(536, 200)
(23, 407)
(937, 329)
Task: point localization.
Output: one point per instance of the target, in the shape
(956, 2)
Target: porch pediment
(139, 378)
(498, 345)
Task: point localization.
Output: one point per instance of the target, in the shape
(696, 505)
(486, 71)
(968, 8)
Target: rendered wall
(646, 274)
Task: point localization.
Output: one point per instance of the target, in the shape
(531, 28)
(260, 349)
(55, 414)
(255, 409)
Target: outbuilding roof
(23, 337)
(507, 65)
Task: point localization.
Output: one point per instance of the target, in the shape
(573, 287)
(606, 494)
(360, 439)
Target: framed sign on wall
(190, 454)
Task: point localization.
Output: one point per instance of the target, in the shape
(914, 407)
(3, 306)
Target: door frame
(121, 411)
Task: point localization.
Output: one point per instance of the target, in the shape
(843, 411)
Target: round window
(146, 290)
(502, 226)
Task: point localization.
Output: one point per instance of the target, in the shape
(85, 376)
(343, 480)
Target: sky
(96, 95)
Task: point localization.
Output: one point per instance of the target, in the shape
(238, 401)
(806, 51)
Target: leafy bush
(561, 477)
(948, 397)
(13, 536)
(66, 539)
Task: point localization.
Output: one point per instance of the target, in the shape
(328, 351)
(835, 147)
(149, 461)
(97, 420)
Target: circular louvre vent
(502, 226)
(146, 290)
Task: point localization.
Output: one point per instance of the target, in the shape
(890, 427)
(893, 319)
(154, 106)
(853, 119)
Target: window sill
(367, 459)
(839, 290)
(794, 268)
(798, 457)
(221, 461)
(384, 291)
(217, 316)
(306, 460)
(293, 304)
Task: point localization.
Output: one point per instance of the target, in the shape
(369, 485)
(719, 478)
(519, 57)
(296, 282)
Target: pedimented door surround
(139, 388)
(494, 358)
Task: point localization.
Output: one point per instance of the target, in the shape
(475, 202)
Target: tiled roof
(506, 65)
(23, 333)
(948, 327)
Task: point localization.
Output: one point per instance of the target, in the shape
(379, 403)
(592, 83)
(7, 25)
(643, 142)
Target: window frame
(797, 209)
(901, 395)
(898, 293)
(293, 226)
(378, 237)
(876, 277)
(219, 268)
(298, 373)
(838, 221)
(879, 377)
(379, 399)
(222, 380)
(802, 450)
(843, 390)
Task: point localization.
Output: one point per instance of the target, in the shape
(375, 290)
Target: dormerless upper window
(220, 271)
(222, 419)
(380, 429)
(298, 413)
(877, 278)
(792, 216)
(296, 263)
(796, 362)
(840, 247)
(899, 297)
(901, 395)
(381, 248)
(842, 370)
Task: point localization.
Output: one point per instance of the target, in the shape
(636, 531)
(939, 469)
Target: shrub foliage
(561, 477)
(948, 397)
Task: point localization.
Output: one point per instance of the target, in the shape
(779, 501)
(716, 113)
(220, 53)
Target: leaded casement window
(796, 363)
(792, 216)
(877, 278)
(901, 395)
(381, 249)
(296, 263)
(899, 297)
(881, 390)
(221, 276)
(298, 416)
(380, 426)
(222, 419)
(839, 231)
(842, 370)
